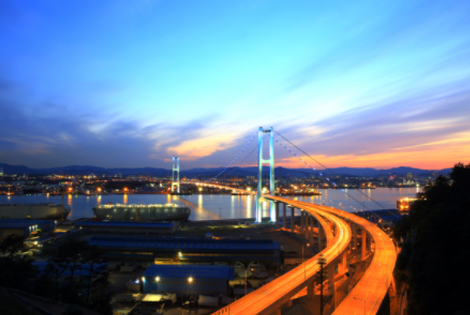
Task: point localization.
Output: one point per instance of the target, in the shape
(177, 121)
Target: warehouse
(118, 227)
(167, 250)
(187, 279)
(24, 227)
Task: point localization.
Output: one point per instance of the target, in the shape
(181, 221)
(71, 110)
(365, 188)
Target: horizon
(218, 167)
(109, 83)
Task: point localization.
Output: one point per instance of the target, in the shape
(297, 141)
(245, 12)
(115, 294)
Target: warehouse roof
(125, 224)
(185, 271)
(184, 244)
(20, 223)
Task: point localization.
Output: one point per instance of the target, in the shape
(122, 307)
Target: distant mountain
(212, 172)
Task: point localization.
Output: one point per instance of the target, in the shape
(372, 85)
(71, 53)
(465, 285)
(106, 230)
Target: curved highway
(365, 298)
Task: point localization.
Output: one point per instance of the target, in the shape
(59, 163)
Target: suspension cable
(233, 161)
(295, 154)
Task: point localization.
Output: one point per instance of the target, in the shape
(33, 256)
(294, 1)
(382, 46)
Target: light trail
(369, 291)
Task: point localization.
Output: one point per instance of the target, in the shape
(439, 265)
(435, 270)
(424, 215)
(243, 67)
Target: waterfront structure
(24, 228)
(270, 161)
(164, 250)
(146, 228)
(175, 168)
(142, 212)
(37, 211)
(187, 279)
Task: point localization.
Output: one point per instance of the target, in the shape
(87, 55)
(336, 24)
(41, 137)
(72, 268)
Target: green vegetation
(11, 306)
(60, 280)
(437, 246)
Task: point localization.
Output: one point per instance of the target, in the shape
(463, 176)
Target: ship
(142, 212)
(404, 204)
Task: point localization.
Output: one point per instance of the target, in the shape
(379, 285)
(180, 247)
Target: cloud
(46, 134)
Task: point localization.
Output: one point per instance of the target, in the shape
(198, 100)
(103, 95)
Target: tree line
(436, 246)
(59, 280)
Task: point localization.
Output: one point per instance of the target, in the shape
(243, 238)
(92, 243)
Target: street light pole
(305, 272)
(363, 301)
(321, 262)
(245, 281)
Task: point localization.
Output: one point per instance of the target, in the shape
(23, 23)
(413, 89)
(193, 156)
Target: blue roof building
(24, 227)
(123, 227)
(190, 250)
(187, 279)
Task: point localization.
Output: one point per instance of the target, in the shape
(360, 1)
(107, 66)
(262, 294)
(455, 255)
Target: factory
(118, 227)
(24, 228)
(187, 279)
(163, 250)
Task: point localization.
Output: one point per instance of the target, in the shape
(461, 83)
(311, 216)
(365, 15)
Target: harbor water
(214, 207)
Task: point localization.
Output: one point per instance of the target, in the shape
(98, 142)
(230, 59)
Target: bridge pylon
(261, 161)
(176, 168)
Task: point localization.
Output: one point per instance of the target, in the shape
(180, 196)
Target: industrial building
(187, 279)
(164, 250)
(117, 227)
(24, 227)
(38, 211)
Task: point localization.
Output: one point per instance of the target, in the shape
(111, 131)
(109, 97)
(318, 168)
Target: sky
(131, 83)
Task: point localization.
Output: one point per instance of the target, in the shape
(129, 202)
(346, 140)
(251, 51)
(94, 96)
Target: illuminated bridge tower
(270, 161)
(176, 168)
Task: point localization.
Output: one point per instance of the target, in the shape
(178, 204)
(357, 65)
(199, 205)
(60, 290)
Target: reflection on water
(210, 207)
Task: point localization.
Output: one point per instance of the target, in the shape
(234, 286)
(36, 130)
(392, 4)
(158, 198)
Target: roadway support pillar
(276, 203)
(320, 232)
(311, 290)
(301, 221)
(354, 236)
(261, 161)
(292, 221)
(364, 244)
(331, 283)
(284, 217)
(304, 223)
(312, 222)
(343, 266)
(175, 181)
(307, 225)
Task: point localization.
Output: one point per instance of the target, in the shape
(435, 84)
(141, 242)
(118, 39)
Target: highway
(374, 284)
(270, 297)
(365, 298)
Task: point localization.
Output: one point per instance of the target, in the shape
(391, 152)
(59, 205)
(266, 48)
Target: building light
(190, 279)
(157, 279)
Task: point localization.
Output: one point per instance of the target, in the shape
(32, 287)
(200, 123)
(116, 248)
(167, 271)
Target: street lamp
(363, 301)
(245, 281)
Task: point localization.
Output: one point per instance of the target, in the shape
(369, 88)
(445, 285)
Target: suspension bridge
(336, 232)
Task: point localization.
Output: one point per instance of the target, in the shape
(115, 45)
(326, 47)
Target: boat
(403, 204)
(142, 212)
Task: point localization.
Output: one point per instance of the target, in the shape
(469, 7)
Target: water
(213, 207)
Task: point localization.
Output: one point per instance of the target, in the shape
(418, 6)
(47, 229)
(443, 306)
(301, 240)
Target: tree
(15, 269)
(440, 220)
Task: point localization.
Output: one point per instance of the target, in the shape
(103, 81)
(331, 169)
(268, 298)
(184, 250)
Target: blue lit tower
(269, 161)
(176, 167)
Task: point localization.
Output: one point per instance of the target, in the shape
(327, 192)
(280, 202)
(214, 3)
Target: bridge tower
(261, 161)
(176, 168)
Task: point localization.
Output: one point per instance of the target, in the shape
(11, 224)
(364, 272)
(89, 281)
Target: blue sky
(132, 83)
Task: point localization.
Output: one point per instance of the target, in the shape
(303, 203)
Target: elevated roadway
(365, 298)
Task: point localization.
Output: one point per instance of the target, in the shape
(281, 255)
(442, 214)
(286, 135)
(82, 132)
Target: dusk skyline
(132, 83)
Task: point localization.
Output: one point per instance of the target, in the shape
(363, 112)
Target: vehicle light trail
(368, 292)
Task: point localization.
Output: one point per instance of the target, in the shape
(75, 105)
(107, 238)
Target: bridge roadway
(364, 298)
